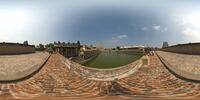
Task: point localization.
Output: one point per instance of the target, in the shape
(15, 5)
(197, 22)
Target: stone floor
(56, 80)
(156, 81)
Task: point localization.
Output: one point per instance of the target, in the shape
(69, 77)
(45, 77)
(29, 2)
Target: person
(153, 52)
(50, 50)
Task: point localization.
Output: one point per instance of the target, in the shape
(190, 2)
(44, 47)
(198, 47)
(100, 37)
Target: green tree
(118, 48)
(41, 46)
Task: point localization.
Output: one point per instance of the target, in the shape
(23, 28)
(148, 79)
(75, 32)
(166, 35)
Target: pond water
(112, 59)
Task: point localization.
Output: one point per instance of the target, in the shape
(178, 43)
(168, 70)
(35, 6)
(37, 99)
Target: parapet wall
(190, 48)
(195, 77)
(15, 48)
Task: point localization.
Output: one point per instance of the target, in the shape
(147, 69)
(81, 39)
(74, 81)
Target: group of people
(149, 52)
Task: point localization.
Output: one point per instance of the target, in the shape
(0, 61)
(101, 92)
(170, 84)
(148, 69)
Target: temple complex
(68, 49)
(40, 75)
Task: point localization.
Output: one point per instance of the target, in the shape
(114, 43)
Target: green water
(113, 59)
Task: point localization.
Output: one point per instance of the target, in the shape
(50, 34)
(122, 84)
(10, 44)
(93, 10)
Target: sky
(107, 23)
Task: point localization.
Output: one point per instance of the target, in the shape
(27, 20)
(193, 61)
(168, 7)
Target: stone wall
(190, 48)
(182, 71)
(86, 56)
(15, 48)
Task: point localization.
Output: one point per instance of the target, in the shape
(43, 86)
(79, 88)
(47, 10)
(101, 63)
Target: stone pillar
(71, 52)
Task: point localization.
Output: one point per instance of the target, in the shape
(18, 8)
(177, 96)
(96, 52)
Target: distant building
(132, 47)
(165, 44)
(88, 48)
(67, 49)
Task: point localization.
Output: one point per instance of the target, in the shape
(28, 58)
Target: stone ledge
(104, 74)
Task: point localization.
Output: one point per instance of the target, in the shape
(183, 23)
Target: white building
(132, 47)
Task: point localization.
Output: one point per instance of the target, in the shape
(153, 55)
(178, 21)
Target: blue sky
(100, 22)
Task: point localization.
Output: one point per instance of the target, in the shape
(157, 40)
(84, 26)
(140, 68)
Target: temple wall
(14, 48)
(191, 48)
(71, 52)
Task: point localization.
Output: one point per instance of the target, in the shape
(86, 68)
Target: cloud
(192, 34)
(122, 36)
(164, 30)
(144, 28)
(190, 24)
(156, 27)
(118, 38)
(159, 28)
(3, 37)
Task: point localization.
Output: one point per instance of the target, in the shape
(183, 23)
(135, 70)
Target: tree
(25, 42)
(63, 43)
(49, 45)
(118, 48)
(37, 46)
(41, 46)
(78, 42)
(91, 46)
